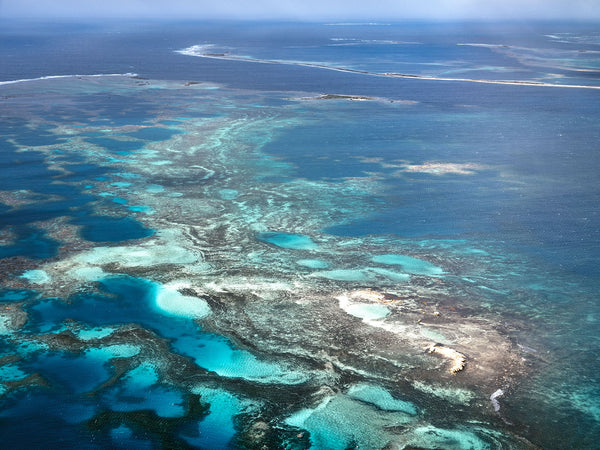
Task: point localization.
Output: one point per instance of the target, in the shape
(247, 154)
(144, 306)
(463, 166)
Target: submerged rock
(494, 399)
(458, 359)
(12, 318)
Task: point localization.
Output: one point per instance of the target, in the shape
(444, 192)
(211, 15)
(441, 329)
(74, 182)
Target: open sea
(293, 236)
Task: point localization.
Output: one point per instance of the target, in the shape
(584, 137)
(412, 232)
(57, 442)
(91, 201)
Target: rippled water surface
(235, 236)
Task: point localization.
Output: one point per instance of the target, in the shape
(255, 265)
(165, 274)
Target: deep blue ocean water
(494, 184)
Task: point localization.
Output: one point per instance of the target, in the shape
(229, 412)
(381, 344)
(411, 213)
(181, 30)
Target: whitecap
(53, 77)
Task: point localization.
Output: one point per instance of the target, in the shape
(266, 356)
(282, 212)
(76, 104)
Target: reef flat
(168, 280)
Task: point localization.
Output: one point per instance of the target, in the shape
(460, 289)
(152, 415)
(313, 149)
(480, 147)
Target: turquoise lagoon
(214, 254)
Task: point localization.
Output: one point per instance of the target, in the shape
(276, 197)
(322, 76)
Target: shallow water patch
(458, 396)
(365, 275)
(11, 372)
(217, 429)
(429, 436)
(409, 264)
(139, 256)
(313, 263)
(381, 398)
(340, 422)
(288, 240)
(218, 355)
(367, 311)
(142, 209)
(154, 188)
(171, 301)
(228, 194)
(36, 276)
(163, 309)
(345, 275)
(87, 334)
(140, 390)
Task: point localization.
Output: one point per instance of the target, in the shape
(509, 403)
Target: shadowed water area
(236, 248)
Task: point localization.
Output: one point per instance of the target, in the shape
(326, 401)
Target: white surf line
(52, 77)
(475, 80)
(190, 52)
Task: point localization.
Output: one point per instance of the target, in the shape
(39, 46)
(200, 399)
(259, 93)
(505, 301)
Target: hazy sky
(306, 9)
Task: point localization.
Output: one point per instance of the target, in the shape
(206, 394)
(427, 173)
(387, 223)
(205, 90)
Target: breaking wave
(51, 77)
